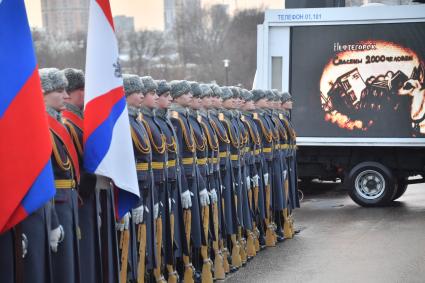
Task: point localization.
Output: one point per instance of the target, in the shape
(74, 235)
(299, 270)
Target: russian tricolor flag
(108, 150)
(26, 176)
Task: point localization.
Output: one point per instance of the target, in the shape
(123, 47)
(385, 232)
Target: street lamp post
(226, 68)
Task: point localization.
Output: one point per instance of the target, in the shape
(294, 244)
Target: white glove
(24, 245)
(266, 179)
(138, 214)
(285, 173)
(255, 181)
(170, 203)
(186, 200)
(248, 183)
(204, 198)
(56, 236)
(213, 195)
(156, 210)
(124, 223)
(222, 188)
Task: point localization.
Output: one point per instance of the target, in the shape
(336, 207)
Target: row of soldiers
(216, 168)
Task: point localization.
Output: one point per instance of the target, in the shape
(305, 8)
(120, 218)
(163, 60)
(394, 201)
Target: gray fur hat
(52, 79)
(179, 88)
(269, 95)
(132, 84)
(216, 90)
(149, 85)
(246, 95)
(75, 79)
(226, 93)
(236, 91)
(258, 94)
(163, 87)
(276, 93)
(286, 96)
(196, 89)
(206, 91)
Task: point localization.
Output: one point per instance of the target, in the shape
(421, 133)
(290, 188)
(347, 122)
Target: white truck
(357, 76)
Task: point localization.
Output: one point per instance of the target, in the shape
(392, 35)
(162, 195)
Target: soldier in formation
(217, 175)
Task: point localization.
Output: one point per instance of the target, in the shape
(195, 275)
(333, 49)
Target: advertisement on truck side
(364, 80)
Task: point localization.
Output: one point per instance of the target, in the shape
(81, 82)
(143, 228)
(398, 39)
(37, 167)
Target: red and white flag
(108, 149)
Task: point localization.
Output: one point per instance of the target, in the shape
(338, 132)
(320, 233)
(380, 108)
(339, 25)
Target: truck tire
(401, 188)
(371, 184)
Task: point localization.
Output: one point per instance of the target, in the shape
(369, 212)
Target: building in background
(235, 5)
(65, 17)
(124, 24)
(341, 3)
(169, 14)
(174, 8)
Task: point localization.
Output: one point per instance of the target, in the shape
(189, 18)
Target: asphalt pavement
(342, 242)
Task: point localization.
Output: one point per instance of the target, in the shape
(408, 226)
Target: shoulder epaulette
(174, 114)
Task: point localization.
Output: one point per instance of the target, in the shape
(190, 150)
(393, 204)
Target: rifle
(188, 268)
(141, 237)
(157, 270)
(124, 245)
(270, 240)
(222, 251)
(206, 267)
(255, 192)
(241, 240)
(218, 259)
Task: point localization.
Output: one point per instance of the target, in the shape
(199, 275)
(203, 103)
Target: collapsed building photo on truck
(357, 76)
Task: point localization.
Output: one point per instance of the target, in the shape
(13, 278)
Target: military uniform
(214, 181)
(177, 246)
(64, 221)
(141, 247)
(265, 170)
(255, 191)
(205, 185)
(35, 266)
(66, 266)
(89, 209)
(232, 180)
(143, 157)
(187, 160)
(223, 178)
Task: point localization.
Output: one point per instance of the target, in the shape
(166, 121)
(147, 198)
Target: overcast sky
(149, 13)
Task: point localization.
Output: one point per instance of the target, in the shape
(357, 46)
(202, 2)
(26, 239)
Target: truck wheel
(371, 184)
(401, 188)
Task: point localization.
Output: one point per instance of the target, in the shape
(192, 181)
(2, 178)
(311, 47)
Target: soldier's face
(76, 98)
(217, 102)
(184, 100)
(196, 103)
(239, 103)
(229, 103)
(56, 99)
(206, 102)
(150, 100)
(249, 105)
(262, 103)
(135, 99)
(164, 101)
(288, 105)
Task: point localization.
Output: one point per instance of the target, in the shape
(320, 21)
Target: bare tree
(144, 50)
(195, 50)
